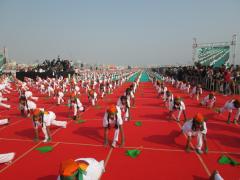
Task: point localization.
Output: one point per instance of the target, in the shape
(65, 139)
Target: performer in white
(209, 101)
(196, 127)
(123, 105)
(130, 96)
(196, 92)
(26, 106)
(50, 90)
(168, 99)
(113, 117)
(45, 119)
(82, 168)
(92, 95)
(110, 87)
(229, 106)
(185, 86)
(29, 95)
(162, 89)
(102, 89)
(77, 106)
(177, 105)
(59, 94)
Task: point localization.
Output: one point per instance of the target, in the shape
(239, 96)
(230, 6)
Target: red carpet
(162, 148)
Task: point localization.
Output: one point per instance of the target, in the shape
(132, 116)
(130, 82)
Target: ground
(162, 147)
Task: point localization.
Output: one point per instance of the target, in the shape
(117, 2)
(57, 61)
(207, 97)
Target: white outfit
(185, 87)
(60, 97)
(168, 100)
(117, 121)
(208, 102)
(129, 98)
(124, 110)
(77, 90)
(179, 108)
(94, 99)
(196, 92)
(30, 105)
(49, 119)
(187, 129)
(110, 88)
(3, 121)
(229, 106)
(94, 169)
(134, 87)
(77, 107)
(42, 88)
(162, 90)
(28, 94)
(50, 90)
(7, 157)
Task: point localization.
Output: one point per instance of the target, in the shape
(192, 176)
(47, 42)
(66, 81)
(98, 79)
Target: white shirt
(78, 104)
(28, 94)
(47, 119)
(206, 99)
(180, 107)
(119, 120)
(230, 106)
(187, 128)
(31, 105)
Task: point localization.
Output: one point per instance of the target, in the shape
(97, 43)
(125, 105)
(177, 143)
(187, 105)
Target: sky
(125, 32)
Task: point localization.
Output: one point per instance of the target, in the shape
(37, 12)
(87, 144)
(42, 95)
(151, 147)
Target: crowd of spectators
(222, 79)
(54, 66)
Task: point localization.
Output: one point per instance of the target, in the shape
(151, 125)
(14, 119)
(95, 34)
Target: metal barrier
(208, 83)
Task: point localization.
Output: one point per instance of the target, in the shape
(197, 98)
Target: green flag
(80, 121)
(138, 123)
(133, 153)
(227, 160)
(44, 149)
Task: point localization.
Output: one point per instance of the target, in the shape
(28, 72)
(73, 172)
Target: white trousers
(93, 100)
(3, 121)
(60, 99)
(126, 115)
(5, 105)
(3, 99)
(199, 139)
(116, 134)
(56, 123)
(75, 110)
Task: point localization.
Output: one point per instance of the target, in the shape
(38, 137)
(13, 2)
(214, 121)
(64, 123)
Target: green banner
(2, 61)
(215, 56)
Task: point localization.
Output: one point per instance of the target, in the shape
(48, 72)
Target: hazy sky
(114, 32)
